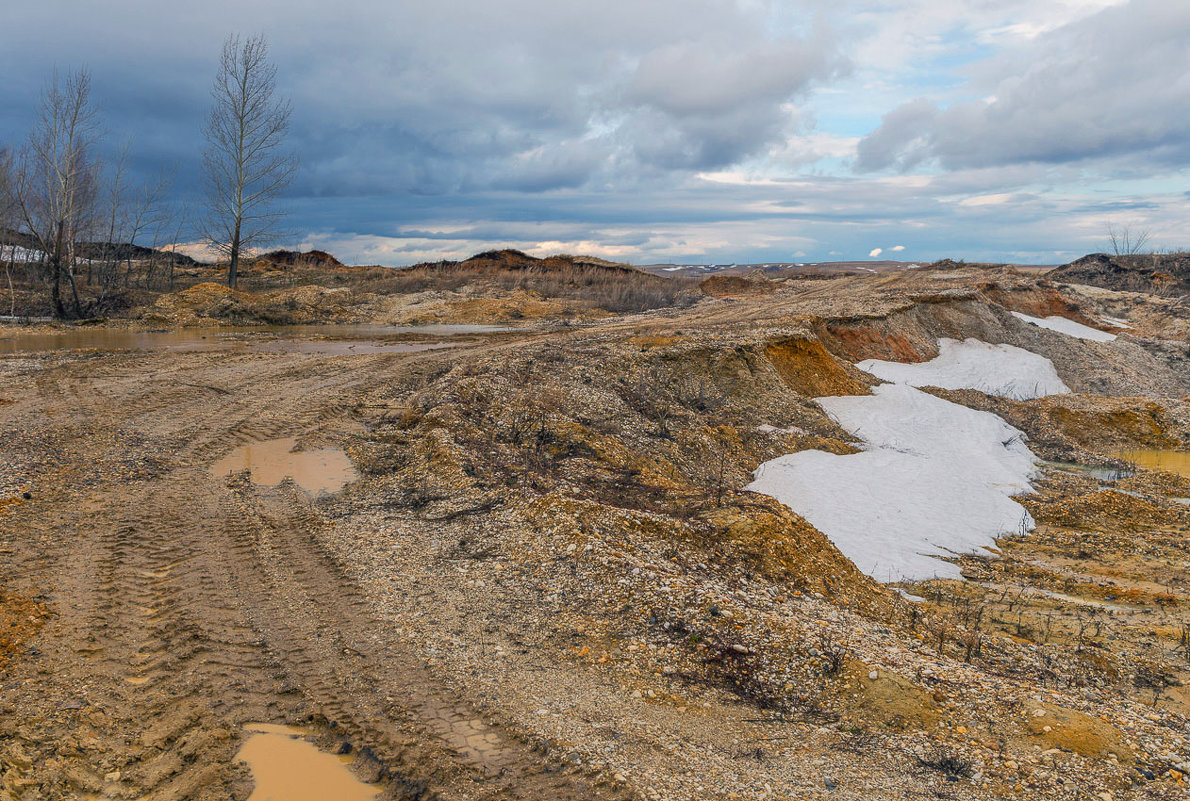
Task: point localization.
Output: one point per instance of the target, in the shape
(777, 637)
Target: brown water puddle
(285, 767)
(332, 340)
(1169, 461)
(272, 461)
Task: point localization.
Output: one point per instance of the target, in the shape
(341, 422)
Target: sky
(647, 131)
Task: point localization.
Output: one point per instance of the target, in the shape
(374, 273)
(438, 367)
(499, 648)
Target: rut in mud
(188, 605)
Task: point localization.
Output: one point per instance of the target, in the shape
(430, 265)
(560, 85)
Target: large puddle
(1169, 461)
(272, 461)
(314, 339)
(285, 767)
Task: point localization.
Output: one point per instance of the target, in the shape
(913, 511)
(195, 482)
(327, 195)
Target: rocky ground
(547, 582)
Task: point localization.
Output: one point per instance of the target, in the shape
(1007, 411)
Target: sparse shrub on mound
(612, 287)
(736, 286)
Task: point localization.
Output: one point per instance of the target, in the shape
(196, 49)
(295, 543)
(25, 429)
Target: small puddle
(272, 461)
(285, 767)
(1169, 461)
(1099, 472)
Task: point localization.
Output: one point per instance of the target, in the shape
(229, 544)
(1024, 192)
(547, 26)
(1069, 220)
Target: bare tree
(1126, 242)
(8, 223)
(245, 164)
(56, 182)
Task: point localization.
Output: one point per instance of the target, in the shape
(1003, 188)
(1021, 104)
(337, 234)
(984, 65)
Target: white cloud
(897, 248)
(1107, 89)
(874, 252)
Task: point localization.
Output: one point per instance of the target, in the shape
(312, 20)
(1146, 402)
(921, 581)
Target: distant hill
(1159, 273)
(115, 251)
(509, 260)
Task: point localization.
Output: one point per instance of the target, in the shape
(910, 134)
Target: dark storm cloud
(1109, 87)
(433, 98)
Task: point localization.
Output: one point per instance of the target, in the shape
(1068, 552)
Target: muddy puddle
(1099, 472)
(1169, 461)
(312, 339)
(286, 767)
(271, 462)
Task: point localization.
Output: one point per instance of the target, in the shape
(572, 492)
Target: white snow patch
(1068, 327)
(1003, 370)
(935, 478)
(20, 255)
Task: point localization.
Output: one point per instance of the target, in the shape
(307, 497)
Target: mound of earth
(1158, 273)
(215, 304)
(736, 286)
(296, 258)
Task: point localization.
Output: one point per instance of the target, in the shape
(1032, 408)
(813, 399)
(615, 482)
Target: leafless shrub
(1155, 678)
(1126, 242)
(951, 766)
(860, 741)
(832, 654)
(653, 392)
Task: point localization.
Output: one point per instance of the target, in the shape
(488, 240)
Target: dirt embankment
(736, 286)
(1126, 367)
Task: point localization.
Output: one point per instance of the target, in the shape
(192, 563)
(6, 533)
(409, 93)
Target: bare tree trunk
(59, 310)
(244, 166)
(233, 267)
(57, 181)
(9, 266)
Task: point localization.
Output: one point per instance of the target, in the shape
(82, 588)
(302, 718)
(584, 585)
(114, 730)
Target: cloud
(875, 252)
(897, 248)
(1103, 89)
(700, 130)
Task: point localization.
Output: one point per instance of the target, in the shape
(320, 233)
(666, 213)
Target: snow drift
(1003, 370)
(1068, 327)
(935, 479)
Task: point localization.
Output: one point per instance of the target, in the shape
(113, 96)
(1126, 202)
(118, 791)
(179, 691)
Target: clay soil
(546, 582)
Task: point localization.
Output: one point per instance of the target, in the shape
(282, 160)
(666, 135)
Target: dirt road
(187, 606)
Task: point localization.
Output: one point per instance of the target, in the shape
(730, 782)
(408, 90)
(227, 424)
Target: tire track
(189, 606)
